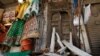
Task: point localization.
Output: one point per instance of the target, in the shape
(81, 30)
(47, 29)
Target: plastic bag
(76, 21)
(87, 13)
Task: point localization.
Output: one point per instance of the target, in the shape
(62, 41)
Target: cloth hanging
(21, 8)
(15, 32)
(24, 53)
(31, 29)
(23, 11)
(31, 26)
(35, 7)
(87, 13)
(3, 32)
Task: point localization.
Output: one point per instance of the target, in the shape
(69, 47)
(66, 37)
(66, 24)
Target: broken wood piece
(62, 50)
(61, 44)
(59, 40)
(71, 41)
(74, 49)
(52, 45)
(52, 54)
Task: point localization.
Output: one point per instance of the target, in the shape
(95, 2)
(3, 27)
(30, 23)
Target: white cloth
(35, 6)
(76, 21)
(20, 1)
(87, 13)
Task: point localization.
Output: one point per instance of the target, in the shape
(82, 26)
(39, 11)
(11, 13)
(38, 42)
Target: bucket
(26, 44)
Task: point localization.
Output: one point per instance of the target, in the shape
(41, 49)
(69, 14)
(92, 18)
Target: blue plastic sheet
(75, 3)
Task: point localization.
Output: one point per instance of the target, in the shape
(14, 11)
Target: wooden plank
(74, 49)
(85, 36)
(91, 1)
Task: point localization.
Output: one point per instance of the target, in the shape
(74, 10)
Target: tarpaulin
(24, 53)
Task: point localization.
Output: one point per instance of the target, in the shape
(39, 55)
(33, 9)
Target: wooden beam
(74, 49)
(91, 1)
(85, 36)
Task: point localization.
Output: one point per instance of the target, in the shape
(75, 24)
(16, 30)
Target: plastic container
(26, 44)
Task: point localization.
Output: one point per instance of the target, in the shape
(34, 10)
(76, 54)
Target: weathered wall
(93, 28)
